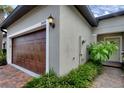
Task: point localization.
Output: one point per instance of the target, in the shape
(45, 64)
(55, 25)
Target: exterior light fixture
(51, 21)
(4, 30)
(83, 42)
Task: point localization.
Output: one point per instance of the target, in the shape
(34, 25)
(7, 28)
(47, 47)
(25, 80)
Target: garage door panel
(29, 51)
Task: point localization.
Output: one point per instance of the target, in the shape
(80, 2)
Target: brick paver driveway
(110, 78)
(11, 77)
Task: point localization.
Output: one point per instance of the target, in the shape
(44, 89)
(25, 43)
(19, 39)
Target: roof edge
(120, 13)
(17, 13)
(86, 12)
(21, 10)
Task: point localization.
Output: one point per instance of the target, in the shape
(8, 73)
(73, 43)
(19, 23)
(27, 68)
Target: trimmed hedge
(80, 77)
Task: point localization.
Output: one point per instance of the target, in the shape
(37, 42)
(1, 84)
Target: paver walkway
(110, 78)
(11, 77)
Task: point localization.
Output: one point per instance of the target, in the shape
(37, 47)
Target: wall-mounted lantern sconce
(51, 21)
(83, 41)
(4, 30)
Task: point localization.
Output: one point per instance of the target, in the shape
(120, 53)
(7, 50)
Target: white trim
(28, 30)
(47, 46)
(25, 70)
(120, 43)
(38, 26)
(103, 32)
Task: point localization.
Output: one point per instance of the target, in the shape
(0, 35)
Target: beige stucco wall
(64, 38)
(111, 25)
(35, 16)
(72, 25)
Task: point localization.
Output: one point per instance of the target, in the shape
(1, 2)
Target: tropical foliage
(6, 9)
(101, 51)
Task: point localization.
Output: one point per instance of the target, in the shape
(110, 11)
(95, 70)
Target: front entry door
(116, 57)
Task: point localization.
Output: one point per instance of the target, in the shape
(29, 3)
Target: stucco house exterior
(35, 47)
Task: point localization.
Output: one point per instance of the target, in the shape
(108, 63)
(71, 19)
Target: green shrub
(46, 81)
(88, 71)
(101, 51)
(3, 57)
(33, 83)
(83, 76)
(4, 51)
(80, 77)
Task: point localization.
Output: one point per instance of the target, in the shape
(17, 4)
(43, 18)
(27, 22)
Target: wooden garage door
(29, 51)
